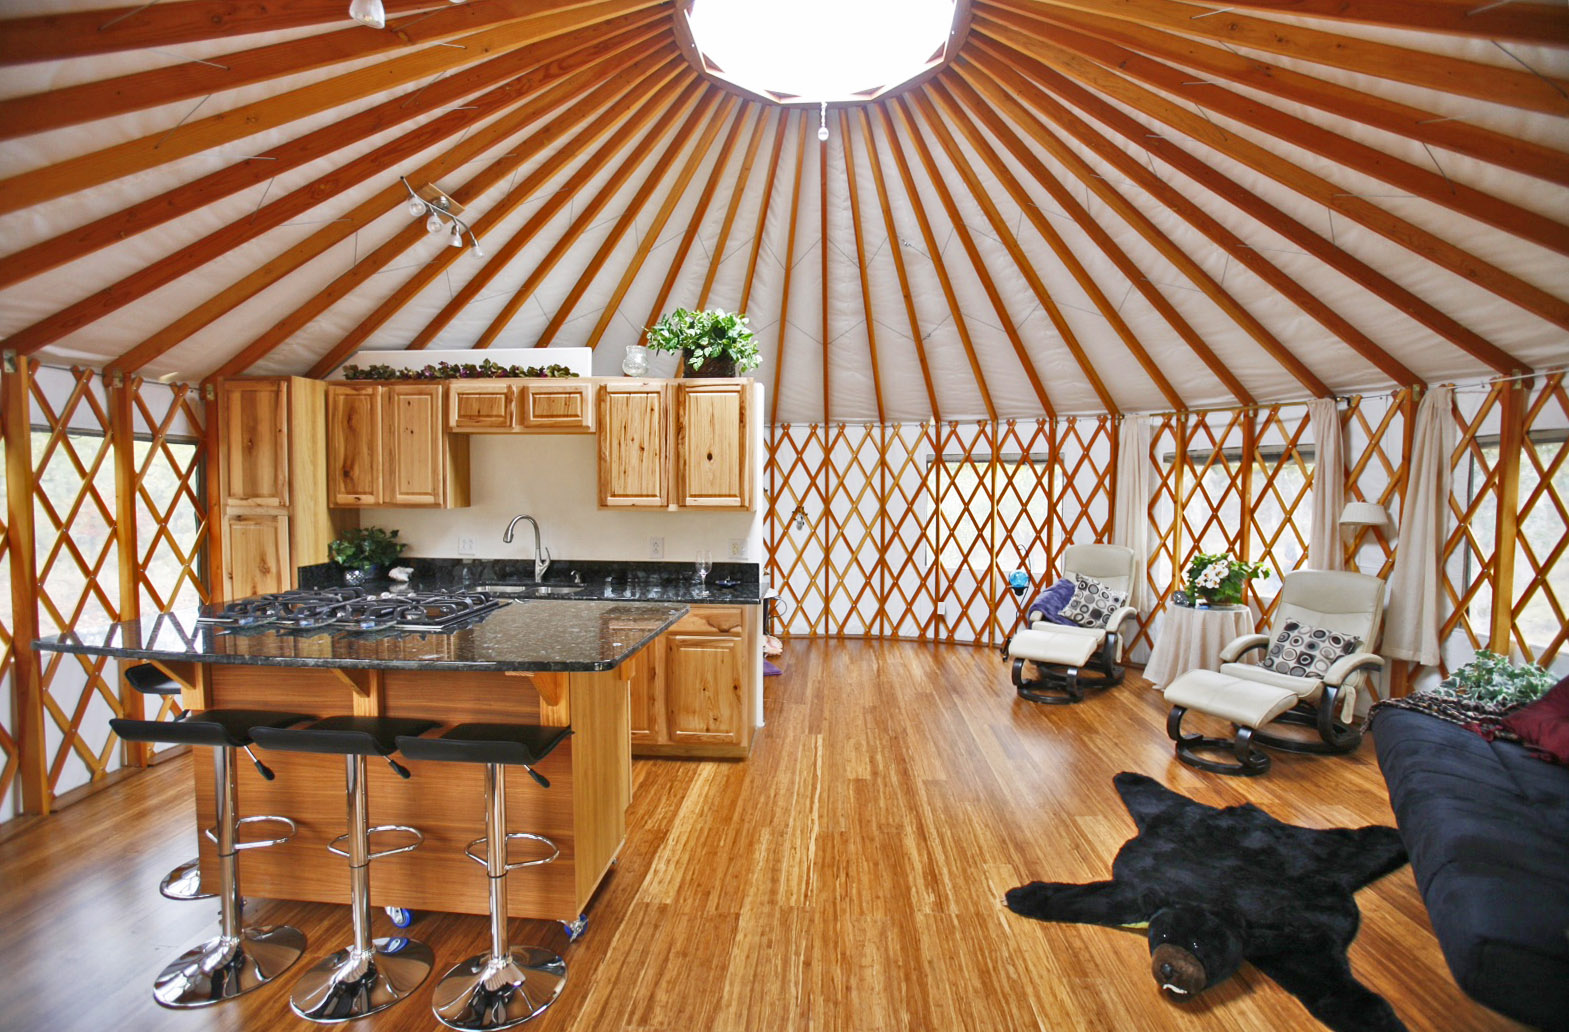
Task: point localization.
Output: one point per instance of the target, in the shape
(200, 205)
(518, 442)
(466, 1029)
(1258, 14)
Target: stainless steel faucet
(541, 555)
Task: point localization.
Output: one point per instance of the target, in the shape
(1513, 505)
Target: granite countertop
(577, 580)
(534, 634)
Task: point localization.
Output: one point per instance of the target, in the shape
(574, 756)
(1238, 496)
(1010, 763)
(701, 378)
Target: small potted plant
(712, 343)
(1216, 579)
(1491, 679)
(364, 552)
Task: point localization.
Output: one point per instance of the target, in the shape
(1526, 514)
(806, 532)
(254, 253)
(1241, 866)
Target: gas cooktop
(355, 609)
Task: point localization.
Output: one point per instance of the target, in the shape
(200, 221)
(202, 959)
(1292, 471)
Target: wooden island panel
(583, 811)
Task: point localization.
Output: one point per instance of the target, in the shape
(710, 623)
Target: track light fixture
(368, 12)
(822, 123)
(439, 215)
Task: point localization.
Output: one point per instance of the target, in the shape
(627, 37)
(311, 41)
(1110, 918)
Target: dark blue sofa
(1487, 827)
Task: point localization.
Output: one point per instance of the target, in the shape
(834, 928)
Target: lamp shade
(1364, 514)
(368, 12)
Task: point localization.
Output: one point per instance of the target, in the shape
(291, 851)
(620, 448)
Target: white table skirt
(1191, 639)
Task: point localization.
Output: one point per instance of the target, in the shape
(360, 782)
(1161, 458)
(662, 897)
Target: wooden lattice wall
(909, 531)
(104, 519)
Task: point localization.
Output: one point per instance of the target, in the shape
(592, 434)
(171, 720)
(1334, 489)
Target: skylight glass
(817, 50)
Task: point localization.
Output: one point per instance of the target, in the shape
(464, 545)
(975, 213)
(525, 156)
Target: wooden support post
(212, 456)
(122, 391)
(1510, 443)
(26, 680)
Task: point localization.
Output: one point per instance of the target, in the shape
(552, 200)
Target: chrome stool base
(350, 984)
(487, 992)
(225, 967)
(185, 882)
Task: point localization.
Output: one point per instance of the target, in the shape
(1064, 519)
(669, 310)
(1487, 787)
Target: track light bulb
(822, 133)
(368, 12)
(822, 123)
(456, 239)
(478, 252)
(416, 207)
(433, 224)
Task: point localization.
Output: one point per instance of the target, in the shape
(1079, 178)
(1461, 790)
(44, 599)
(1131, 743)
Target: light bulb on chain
(822, 124)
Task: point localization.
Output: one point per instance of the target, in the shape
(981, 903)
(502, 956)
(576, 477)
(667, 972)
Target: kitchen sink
(531, 590)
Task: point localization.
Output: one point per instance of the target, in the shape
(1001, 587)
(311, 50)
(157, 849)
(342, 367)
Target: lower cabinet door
(256, 554)
(648, 697)
(703, 682)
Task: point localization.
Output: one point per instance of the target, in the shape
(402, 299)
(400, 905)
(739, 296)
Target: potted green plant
(364, 552)
(712, 343)
(1217, 579)
(1492, 679)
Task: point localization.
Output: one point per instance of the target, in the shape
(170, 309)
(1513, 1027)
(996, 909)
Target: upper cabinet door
(634, 458)
(354, 446)
(713, 467)
(415, 436)
(556, 407)
(255, 466)
(480, 407)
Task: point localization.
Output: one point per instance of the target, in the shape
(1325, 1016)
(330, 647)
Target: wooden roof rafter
(781, 126)
(1055, 42)
(194, 136)
(977, 263)
(1425, 127)
(515, 115)
(701, 98)
(736, 194)
(1517, 20)
(895, 248)
(750, 112)
(789, 264)
(1200, 129)
(822, 254)
(105, 98)
(646, 87)
(637, 81)
(934, 253)
(672, 196)
(860, 264)
(519, 71)
(1005, 234)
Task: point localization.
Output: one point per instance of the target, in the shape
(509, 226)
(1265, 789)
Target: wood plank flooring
(846, 877)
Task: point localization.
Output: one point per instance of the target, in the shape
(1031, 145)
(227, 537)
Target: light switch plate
(738, 548)
(466, 546)
(656, 548)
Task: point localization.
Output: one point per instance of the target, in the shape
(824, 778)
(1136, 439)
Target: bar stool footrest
(555, 850)
(212, 833)
(419, 840)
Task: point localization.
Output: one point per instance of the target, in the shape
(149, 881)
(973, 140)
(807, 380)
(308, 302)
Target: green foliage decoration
(365, 547)
(705, 336)
(1491, 678)
(485, 370)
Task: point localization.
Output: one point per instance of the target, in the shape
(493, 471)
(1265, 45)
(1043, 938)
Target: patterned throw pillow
(1302, 650)
(1093, 602)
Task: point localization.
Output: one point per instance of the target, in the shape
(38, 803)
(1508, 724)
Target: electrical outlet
(738, 548)
(466, 546)
(656, 548)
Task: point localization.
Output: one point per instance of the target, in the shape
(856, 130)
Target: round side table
(1191, 639)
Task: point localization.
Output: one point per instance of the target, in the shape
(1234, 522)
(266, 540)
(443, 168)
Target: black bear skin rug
(1220, 886)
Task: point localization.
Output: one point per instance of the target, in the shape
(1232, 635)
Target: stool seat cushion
(1304, 687)
(343, 735)
(1056, 645)
(522, 744)
(1247, 703)
(221, 728)
(149, 680)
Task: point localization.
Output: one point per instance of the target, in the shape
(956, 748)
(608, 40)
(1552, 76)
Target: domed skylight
(795, 51)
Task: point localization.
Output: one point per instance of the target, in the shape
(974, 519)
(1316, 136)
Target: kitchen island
(558, 663)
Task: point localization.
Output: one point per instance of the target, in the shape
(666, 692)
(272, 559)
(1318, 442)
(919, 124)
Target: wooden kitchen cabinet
(528, 406)
(634, 453)
(272, 500)
(480, 407)
(695, 692)
(389, 446)
(713, 455)
(555, 406)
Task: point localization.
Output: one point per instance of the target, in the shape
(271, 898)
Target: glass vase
(636, 361)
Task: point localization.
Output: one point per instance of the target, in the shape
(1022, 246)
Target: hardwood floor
(846, 877)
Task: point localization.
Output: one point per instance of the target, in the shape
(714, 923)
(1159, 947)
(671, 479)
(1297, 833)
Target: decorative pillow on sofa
(1544, 724)
(1048, 606)
(1302, 650)
(1093, 602)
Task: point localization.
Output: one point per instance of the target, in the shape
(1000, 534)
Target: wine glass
(705, 562)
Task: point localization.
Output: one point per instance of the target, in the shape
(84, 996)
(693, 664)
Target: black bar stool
(508, 985)
(371, 974)
(239, 959)
(185, 881)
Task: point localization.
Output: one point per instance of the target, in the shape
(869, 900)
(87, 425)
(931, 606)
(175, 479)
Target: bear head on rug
(1220, 886)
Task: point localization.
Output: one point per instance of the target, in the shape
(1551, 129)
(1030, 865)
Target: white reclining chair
(1328, 627)
(1061, 653)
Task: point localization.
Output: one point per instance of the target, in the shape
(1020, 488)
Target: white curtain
(1131, 528)
(1411, 622)
(1325, 552)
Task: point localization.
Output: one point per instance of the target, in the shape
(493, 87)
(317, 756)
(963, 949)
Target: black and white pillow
(1093, 602)
(1302, 650)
